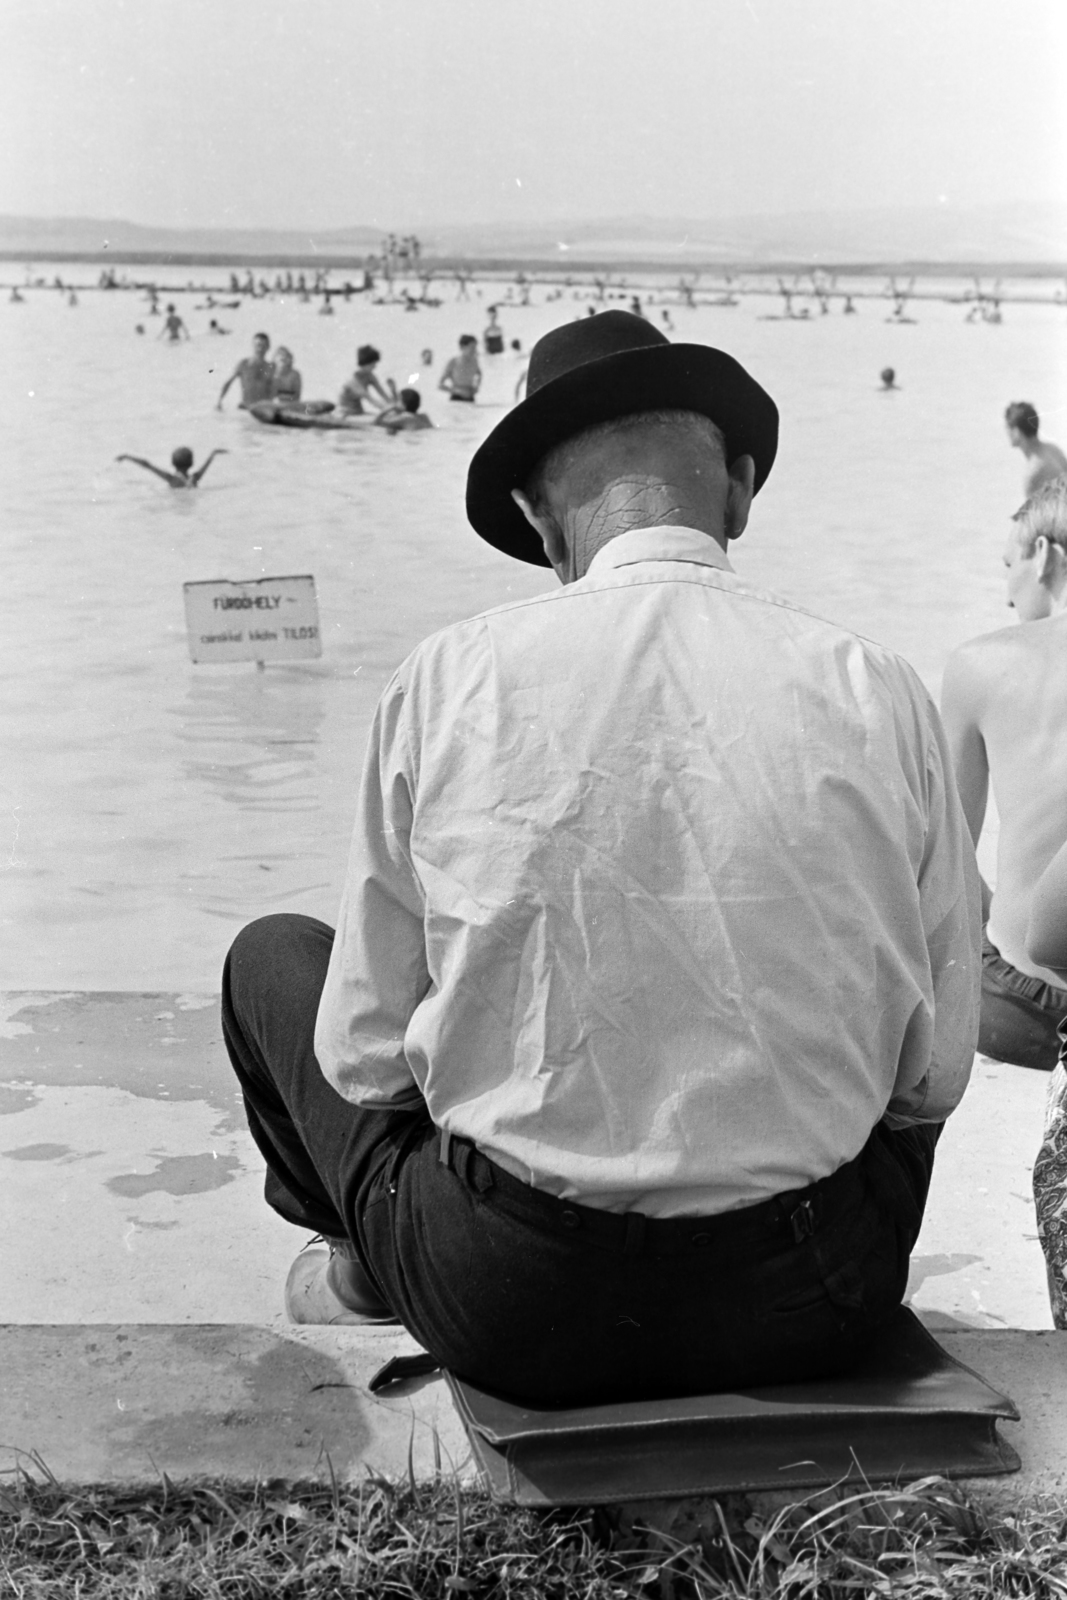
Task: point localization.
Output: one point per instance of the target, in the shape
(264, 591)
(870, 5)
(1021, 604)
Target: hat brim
(679, 377)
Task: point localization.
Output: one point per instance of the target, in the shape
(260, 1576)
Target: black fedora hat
(604, 367)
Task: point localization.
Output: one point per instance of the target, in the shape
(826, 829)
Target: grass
(394, 1541)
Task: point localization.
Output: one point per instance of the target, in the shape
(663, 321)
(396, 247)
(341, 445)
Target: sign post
(266, 619)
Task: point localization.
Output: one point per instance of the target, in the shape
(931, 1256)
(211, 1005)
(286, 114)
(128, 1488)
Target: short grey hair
(563, 453)
(1044, 515)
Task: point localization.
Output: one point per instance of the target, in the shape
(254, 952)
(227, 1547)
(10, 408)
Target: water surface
(149, 807)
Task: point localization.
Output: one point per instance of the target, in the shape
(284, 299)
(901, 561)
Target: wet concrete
(111, 1404)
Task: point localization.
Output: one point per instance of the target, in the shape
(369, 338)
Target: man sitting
(1005, 706)
(657, 968)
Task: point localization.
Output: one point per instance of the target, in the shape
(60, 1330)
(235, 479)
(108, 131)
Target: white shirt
(660, 890)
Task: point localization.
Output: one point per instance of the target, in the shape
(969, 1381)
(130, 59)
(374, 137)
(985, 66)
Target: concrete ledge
(106, 1404)
(114, 1404)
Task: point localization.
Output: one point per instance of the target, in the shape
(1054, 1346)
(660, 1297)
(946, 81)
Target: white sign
(266, 619)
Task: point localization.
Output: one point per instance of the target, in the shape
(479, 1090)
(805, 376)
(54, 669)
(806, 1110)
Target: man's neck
(624, 506)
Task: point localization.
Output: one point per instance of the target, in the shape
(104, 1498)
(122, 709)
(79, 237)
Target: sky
(400, 113)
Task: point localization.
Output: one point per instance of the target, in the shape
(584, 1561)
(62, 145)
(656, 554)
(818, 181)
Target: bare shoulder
(974, 676)
(976, 658)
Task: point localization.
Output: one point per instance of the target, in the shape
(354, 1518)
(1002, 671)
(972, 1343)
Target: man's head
(367, 356)
(284, 356)
(620, 429)
(653, 468)
(181, 459)
(1036, 554)
(1022, 421)
(411, 400)
(466, 340)
(260, 345)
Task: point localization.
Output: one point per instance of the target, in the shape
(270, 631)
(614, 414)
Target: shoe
(330, 1287)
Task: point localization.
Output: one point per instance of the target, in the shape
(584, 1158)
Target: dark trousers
(1020, 1014)
(540, 1299)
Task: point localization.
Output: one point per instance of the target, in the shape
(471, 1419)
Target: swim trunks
(1020, 1014)
(455, 396)
(494, 344)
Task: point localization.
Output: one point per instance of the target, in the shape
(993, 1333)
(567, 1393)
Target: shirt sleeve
(950, 903)
(377, 973)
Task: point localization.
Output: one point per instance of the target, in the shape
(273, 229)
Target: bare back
(1047, 462)
(1005, 710)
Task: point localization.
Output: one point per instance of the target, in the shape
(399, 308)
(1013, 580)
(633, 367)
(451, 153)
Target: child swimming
(182, 460)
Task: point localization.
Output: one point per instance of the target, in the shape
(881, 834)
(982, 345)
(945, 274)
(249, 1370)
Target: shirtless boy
(1004, 704)
(1043, 461)
(181, 459)
(254, 373)
(173, 328)
(462, 376)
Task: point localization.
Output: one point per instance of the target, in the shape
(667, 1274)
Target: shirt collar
(659, 544)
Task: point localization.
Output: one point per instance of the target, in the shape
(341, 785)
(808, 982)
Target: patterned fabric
(1050, 1190)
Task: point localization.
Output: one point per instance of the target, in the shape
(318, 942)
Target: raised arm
(1046, 933)
(963, 699)
(139, 461)
(199, 473)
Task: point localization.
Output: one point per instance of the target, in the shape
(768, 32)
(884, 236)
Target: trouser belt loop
(802, 1221)
(446, 1148)
(633, 1238)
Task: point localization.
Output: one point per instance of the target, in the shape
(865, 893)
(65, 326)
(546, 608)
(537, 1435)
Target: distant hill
(1024, 233)
(39, 235)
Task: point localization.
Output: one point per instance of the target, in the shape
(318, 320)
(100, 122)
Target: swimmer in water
(493, 336)
(889, 378)
(462, 376)
(213, 327)
(405, 417)
(364, 385)
(183, 477)
(16, 298)
(173, 327)
(286, 385)
(255, 374)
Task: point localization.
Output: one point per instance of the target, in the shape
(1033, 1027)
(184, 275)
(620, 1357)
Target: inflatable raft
(318, 414)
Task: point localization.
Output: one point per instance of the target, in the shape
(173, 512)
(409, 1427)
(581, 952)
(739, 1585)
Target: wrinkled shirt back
(659, 891)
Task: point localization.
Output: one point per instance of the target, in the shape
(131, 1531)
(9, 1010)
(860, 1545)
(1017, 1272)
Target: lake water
(149, 807)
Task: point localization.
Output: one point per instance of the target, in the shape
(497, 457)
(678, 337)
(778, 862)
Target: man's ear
(1044, 555)
(742, 475)
(545, 528)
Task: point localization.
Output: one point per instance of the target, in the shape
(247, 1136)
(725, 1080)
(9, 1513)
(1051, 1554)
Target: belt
(790, 1217)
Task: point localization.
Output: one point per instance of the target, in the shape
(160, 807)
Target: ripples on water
(149, 807)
